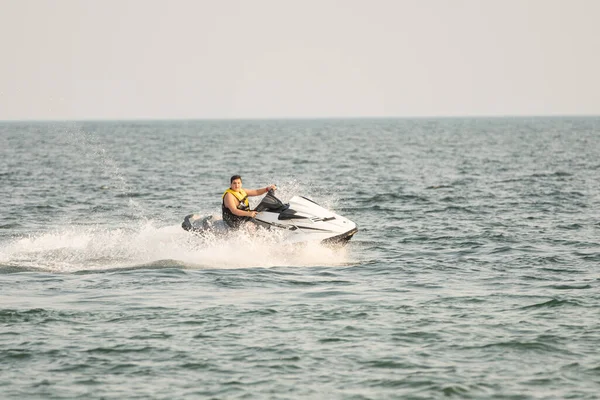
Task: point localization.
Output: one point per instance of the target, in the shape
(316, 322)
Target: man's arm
(258, 192)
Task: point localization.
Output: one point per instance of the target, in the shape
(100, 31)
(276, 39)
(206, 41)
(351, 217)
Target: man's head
(235, 182)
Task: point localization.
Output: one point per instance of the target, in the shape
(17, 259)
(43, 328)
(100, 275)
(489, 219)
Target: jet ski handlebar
(271, 203)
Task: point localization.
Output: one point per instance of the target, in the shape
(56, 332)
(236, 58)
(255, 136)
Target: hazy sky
(88, 59)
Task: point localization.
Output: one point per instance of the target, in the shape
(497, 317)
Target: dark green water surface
(474, 274)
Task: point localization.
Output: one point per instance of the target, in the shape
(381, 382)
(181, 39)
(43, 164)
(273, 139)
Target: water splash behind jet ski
(302, 220)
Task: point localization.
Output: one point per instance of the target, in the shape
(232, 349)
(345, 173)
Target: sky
(148, 59)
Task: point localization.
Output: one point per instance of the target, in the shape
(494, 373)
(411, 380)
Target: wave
(526, 346)
(552, 303)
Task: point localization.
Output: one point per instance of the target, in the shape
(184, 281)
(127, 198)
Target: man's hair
(233, 178)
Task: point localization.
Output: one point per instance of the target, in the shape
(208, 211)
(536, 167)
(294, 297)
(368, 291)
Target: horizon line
(305, 118)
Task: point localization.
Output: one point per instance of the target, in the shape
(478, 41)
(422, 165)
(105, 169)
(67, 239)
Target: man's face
(236, 185)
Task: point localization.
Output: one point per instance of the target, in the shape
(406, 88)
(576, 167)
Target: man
(235, 207)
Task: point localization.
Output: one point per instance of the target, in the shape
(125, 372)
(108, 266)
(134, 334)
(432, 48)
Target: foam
(76, 248)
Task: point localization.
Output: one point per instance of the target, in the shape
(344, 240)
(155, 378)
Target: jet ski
(301, 220)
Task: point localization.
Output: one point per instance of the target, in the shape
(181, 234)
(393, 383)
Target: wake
(76, 248)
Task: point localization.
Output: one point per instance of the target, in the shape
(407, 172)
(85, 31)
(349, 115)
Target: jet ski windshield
(271, 203)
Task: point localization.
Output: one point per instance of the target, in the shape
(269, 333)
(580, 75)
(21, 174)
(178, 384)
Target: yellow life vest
(242, 196)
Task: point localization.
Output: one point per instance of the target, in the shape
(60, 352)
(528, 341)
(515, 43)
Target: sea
(475, 272)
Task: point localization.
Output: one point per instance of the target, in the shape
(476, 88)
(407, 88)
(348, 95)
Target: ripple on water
(552, 303)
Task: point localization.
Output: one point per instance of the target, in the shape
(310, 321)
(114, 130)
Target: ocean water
(474, 274)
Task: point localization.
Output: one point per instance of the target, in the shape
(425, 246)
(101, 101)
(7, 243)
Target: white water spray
(74, 249)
